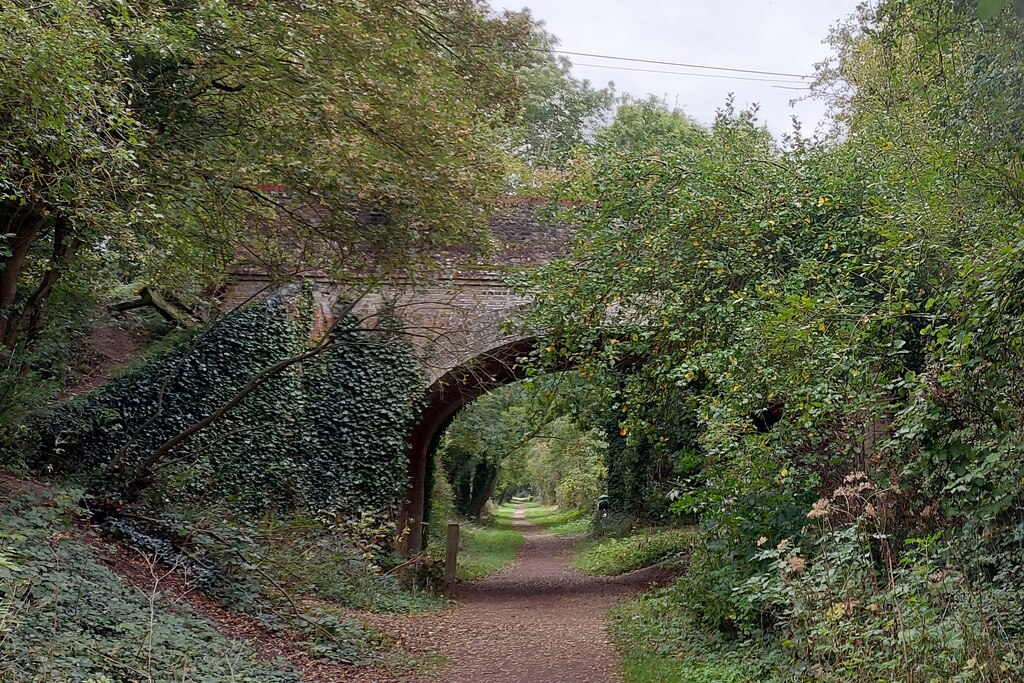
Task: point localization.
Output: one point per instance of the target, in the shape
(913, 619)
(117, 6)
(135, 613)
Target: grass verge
(560, 522)
(486, 549)
(614, 556)
(661, 643)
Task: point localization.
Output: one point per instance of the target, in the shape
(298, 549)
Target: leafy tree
(162, 144)
(837, 319)
(70, 150)
(567, 465)
(647, 124)
(531, 436)
(561, 111)
(482, 437)
(153, 131)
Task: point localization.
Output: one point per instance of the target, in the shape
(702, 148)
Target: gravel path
(539, 621)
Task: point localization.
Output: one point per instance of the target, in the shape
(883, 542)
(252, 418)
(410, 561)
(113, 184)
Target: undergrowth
(66, 617)
(662, 642)
(349, 564)
(293, 576)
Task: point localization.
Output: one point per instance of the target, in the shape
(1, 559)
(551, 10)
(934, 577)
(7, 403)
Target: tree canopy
(561, 112)
(147, 136)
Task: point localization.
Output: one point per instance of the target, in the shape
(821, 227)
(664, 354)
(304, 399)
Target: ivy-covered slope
(326, 433)
(66, 617)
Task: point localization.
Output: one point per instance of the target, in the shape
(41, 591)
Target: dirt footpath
(539, 621)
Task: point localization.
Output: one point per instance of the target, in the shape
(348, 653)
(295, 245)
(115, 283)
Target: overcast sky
(766, 35)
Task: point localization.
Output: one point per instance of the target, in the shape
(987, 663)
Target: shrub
(614, 556)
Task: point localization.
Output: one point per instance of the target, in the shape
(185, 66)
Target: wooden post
(451, 555)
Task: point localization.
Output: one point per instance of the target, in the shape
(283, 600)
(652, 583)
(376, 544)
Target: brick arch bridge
(454, 319)
(445, 396)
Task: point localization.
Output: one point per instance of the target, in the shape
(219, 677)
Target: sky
(765, 35)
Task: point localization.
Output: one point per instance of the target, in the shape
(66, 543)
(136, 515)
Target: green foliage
(645, 667)
(442, 504)
(637, 469)
(31, 377)
(614, 556)
(561, 111)
(325, 434)
(67, 617)
(643, 126)
(363, 398)
(527, 437)
(348, 641)
(821, 341)
(143, 133)
(482, 437)
(661, 642)
(290, 574)
(987, 9)
(251, 564)
(566, 465)
(927, 622)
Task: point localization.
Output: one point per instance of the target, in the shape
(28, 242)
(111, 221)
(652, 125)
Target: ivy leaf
(987, 9)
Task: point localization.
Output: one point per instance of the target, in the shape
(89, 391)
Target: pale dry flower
(797, 564)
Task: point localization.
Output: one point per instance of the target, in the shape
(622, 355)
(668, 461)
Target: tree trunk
(26, 225)
(33, 315)
(463, 488)
(484, 479)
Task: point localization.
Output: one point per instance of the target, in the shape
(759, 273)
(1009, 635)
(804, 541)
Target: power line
(664, 63)
(687, 73)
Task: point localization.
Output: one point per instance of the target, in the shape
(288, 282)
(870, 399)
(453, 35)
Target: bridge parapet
(456, 312)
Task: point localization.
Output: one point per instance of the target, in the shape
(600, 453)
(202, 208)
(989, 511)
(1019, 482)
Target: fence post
(451, 555)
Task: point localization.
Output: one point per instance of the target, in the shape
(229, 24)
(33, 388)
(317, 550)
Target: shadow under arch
(453, 390)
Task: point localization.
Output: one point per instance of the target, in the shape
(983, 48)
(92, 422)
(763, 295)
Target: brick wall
(455, 313)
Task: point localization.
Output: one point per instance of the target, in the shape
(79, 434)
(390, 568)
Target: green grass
(487, 549)
(652, 668)
(560, 522)
(501, 517)
(614, 556)
(647, 667)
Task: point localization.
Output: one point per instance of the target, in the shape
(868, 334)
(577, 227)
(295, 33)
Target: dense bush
(614, 556)
(839, 319)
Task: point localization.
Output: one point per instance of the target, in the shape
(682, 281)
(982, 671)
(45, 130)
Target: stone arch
(454, 389)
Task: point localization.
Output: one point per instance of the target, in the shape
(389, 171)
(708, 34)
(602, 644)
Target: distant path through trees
(539, 621)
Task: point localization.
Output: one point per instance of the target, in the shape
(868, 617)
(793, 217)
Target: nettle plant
(326, 432)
